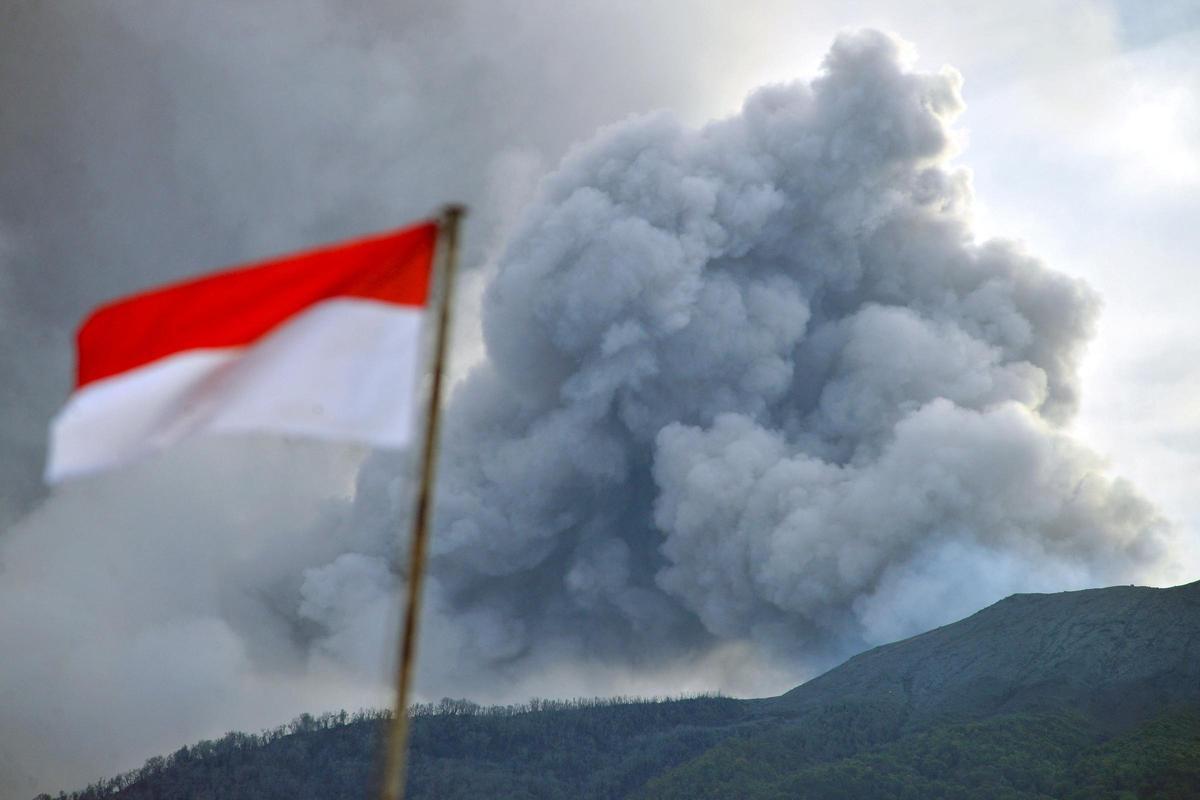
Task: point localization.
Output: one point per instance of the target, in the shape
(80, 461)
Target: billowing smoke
(753, 397)
(756, 383)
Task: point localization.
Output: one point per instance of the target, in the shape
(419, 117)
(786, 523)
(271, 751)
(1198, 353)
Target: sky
(233, 584)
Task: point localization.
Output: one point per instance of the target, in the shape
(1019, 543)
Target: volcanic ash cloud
(758, 383)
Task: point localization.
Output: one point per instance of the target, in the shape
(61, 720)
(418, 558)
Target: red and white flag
(323, 344)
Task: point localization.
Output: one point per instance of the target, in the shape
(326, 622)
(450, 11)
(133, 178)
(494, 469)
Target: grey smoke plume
(757, 383)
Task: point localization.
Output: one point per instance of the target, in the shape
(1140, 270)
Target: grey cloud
(758, 382)
(756, 529)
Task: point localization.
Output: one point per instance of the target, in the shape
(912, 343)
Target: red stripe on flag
(236, 307)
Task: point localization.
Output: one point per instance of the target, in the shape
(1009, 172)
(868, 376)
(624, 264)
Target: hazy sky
(233, 584)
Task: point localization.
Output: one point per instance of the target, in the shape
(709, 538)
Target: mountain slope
(1121, 653)
(1014, 757)
(1033, 697)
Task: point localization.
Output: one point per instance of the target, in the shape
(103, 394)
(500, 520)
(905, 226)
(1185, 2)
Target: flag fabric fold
(323, 344)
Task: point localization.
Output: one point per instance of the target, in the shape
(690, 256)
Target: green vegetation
(1160, 759)
(1014, 757)
(551, 749)
(331, 756)
(1090, 695)
(707, 747)
(543, 749)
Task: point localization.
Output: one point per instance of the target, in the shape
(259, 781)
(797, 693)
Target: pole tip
(453, 211)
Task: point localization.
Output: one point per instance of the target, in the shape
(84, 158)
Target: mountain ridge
(1082, 695)
(1044, 649)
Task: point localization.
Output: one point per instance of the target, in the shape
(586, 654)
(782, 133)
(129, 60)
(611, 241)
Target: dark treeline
(1081, 715)
(450, 707)
(448, 729)
(232, 743)
(710, 747)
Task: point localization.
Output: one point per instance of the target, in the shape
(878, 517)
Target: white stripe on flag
(345, 369)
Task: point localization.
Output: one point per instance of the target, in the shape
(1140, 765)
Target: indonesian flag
(323, 344)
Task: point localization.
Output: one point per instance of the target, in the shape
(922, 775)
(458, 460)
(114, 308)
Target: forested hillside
(544, 749)
(1081, 695)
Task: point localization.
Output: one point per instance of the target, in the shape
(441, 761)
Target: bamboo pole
(395, 761)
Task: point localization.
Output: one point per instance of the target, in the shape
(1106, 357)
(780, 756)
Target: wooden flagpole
(395, 760)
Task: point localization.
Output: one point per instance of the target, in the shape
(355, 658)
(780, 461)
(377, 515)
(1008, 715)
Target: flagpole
(395, 756)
